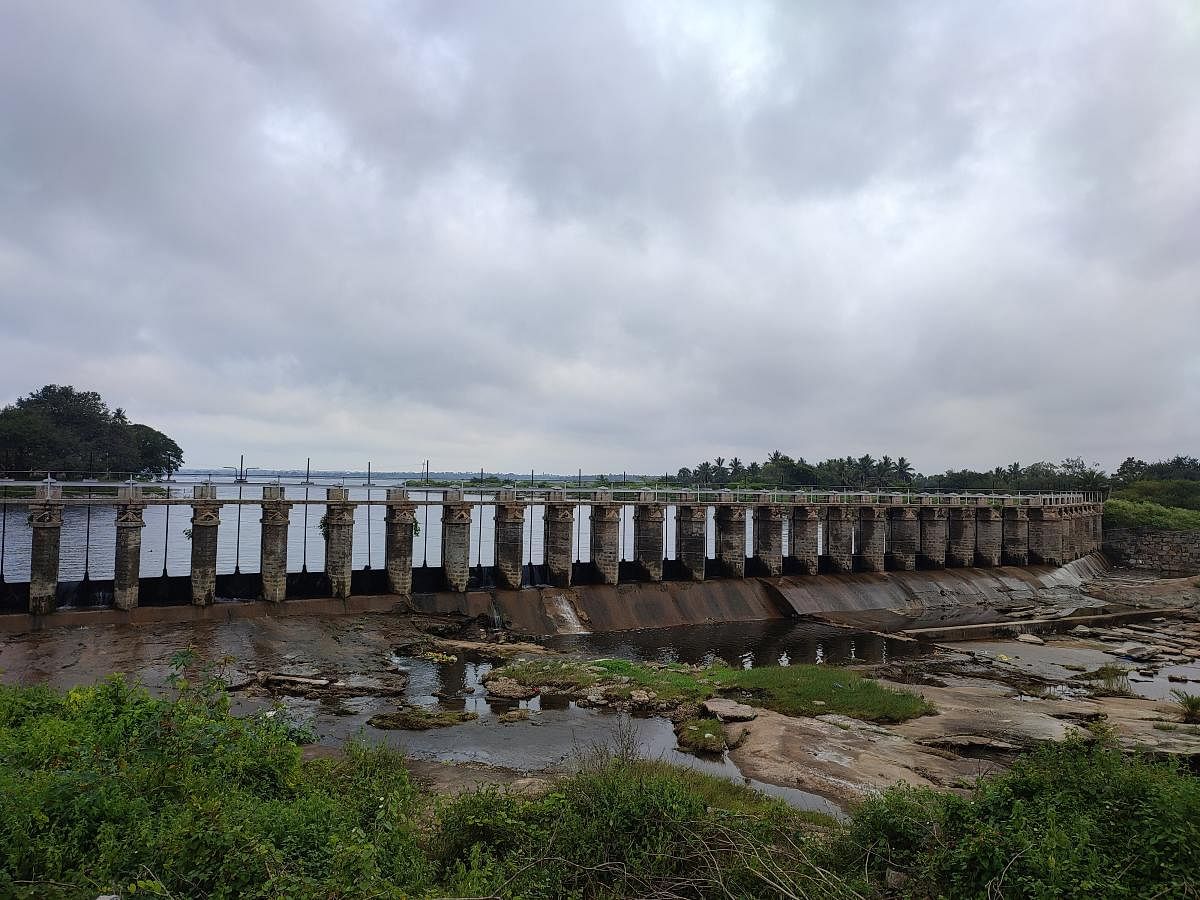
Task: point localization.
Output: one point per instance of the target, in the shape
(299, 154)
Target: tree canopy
(60, 429)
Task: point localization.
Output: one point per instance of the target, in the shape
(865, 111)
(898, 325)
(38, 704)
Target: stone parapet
(1015, 538)
(933, 537)
(840, 524)
(206, 520)
(691, 548)
(803, 533)
(904, 541)
(731, 540)
(399, 527)
(273, 549)
(456, 541)
(338, 525)
(648, 521)
(558, 524)
(606, 538)
(960, 536)
(768, 538)
(989, 536)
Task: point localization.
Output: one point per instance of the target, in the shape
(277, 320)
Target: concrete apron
(895, 599)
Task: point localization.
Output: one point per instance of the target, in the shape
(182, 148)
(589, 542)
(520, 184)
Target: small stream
(558, 732)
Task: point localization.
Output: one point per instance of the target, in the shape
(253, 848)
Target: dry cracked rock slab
(729, 710)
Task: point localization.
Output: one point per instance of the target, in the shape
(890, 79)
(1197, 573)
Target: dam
(608, 538)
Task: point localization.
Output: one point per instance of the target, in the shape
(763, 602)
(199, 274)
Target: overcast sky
(616, 236)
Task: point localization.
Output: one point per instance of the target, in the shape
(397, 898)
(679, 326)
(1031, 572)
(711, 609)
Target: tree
(736, 469)
(60, 429)
(904, 470)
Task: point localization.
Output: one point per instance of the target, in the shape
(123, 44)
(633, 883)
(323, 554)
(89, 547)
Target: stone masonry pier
(793, 533)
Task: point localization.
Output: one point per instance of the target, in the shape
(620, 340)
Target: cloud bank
(610, 236)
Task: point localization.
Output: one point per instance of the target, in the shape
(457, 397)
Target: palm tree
(904, 470)
(736, 469)
(864, 469)
(884, 469)
(704, 472)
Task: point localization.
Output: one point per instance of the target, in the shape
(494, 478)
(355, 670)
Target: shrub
(1067, 821)
(1144, 514)
(1187, 706)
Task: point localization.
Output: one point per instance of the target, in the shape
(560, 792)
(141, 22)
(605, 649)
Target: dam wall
(1172, 553)
(786, 538)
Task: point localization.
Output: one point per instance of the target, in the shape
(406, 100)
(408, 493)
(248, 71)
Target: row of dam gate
(790, 532)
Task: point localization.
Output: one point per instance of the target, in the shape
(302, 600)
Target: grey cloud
(608, 235)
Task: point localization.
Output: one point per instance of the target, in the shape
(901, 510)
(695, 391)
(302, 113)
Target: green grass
(701, 734)
(813, 690)
(1113, 680)
(1146, 514)
(797, 690)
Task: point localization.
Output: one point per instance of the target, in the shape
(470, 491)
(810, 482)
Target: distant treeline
(59, 429)
(1173, 482)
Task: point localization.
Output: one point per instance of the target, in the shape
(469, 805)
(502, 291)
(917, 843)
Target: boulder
(1029, 639)
(507, 689)
(729, 710)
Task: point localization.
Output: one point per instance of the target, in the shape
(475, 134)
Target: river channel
(559, 731)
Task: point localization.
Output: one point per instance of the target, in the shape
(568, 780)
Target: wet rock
(1177, 678)
(515, 715)
(506, 688)
(729, 710)
(1029, 639)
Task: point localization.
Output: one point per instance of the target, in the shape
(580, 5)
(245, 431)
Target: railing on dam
(376, 539)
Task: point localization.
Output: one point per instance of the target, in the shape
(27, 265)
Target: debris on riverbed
(276, 684)
(420, 718)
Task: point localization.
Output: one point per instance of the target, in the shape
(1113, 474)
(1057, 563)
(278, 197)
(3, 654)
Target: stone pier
(731, 538)
(127, 561)
(399, 522)
(648, 538)
(1045, 536)
(768, 538)
(510, 540)
(273, 550)
(960, 543)
(872, 538)
(339, 540)
(933, 538)
(989, 536)
(691, 546)
(206, 519)
(558, 524)
(904, 539)
(839, 537)
(45, 518)
(456, 541)
(606, 537)
(1015, 546)
(802, 534)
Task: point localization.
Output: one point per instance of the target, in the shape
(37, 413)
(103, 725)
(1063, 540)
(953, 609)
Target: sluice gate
(750, 533)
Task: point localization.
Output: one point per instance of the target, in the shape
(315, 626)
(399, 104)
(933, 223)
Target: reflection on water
(748, 644)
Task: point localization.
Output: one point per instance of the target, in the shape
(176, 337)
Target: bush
(1138, 514)
(1067, 821)
(1177, 492)
(109, 790)
(106, 787)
